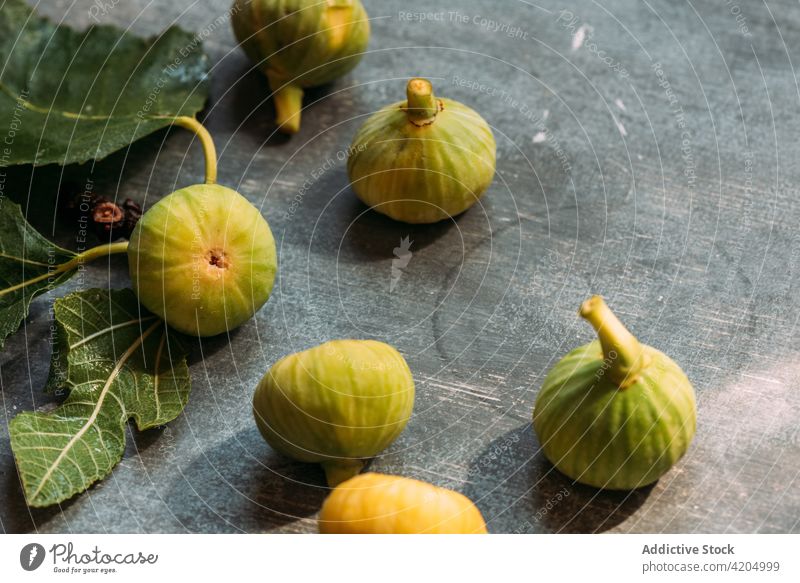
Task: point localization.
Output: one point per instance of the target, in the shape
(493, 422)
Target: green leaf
(29, 265)
(121, 363)
(71, 96)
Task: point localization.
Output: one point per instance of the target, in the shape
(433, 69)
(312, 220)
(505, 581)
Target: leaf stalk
(88, 255)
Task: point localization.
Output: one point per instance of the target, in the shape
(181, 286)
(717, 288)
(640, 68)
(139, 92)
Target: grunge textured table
(647, 151)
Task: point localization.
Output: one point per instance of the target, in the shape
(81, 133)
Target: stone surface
(646, 151)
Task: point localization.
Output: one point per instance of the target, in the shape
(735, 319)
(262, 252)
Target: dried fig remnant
(105, 218)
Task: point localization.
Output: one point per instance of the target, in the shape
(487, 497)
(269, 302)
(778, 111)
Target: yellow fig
(382, 504)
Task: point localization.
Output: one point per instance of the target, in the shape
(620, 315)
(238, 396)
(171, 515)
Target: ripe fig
(335, 404)
(422, 160)
(300, 44)
(203, 259)
(614, 413)
(380, 504)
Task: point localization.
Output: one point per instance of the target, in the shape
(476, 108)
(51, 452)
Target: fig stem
(99, 251)
(288, 100)
(421, 106)
(339, 471)
(622, 353)
(206, 141)
(88, 255)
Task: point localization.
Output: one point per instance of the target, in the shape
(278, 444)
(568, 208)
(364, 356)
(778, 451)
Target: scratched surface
(646, 151)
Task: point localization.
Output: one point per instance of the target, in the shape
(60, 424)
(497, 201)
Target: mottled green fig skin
(422, 173)
(302, 41)
(300, 44)
(612, 438)
(335, 404)
(203, 259)
(609, 438)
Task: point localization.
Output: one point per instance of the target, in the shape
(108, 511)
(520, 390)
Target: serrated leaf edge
(98, 405)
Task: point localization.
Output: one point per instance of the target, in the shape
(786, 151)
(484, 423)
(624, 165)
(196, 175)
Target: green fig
(336, 404)
(300, 44)
(203, 259)
(424, 159)
(614, 413)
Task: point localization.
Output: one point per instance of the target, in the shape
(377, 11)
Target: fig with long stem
(614, 413)
(202, 258)
(300, 44)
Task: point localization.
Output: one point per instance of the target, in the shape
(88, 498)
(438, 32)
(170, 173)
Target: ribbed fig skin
(381, 504)
(612, 438)
(341, 401)
(296, 40)
(422, 174)
(172, 253)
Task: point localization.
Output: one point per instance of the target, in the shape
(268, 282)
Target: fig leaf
(29, 265)
(120, 362)
(69, 96)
